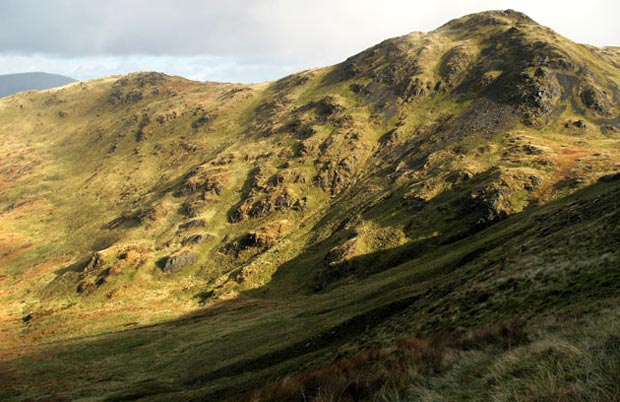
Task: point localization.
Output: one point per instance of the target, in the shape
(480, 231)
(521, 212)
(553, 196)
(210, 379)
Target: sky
(245, 40)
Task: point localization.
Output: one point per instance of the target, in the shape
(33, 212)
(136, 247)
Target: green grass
(299, 330)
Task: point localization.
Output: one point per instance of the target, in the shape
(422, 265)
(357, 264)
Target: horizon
(241, 42)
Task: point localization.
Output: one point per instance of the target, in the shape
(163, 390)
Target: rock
(595, 99)
(203, 120)
(534, 182)
(203, 178)
(283, 201)
(96, 262)
(534, 95)
(179, 261)
(458, 177)
(238, 215)
(532, 150)
(197, 239)
(491, 204)
(544, 162)
(192, 206)
(327, 106)
(335, 177)
(339, 262)
(301, 204)
(455, 62)
(256, 240)
(195, 223)
(260, 208)
(356, 88)
(416, 88)
(253, 243)
(580, 124)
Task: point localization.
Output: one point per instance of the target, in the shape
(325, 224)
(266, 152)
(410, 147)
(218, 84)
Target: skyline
(243, 41)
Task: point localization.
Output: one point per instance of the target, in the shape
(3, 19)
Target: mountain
(13, 83)
(435, 218)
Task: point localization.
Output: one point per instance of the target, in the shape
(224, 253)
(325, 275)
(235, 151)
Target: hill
(438, 210)
(13, 83)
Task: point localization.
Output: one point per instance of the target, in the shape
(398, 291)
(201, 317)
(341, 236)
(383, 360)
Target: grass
(199, 357)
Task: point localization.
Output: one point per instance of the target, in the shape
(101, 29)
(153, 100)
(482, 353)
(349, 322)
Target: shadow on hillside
(230, 346)
(454, 208)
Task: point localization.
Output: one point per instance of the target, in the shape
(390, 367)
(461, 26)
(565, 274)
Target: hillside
(440, 209)
(13, 83)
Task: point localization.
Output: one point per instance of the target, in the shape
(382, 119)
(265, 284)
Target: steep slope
(434, 183)
(13, 83)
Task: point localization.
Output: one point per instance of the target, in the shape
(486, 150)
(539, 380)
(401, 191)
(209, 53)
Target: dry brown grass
(409, 360)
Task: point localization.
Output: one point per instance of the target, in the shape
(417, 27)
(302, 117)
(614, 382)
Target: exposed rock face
(267, 205)
(255, 242)
(534, 94)
(193, 205)
(454, 64)
(203, 120)
(269, 190)
(340, 261)
(179, 261)
(336, 176)
(325, 108)
(491, 203)
(595, 99)
(204, 178)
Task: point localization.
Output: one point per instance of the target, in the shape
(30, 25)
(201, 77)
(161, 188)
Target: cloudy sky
(245, 40)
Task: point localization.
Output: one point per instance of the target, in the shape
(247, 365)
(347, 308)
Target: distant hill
(13, 83)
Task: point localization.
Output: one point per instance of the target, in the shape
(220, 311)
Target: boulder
(595, 99)
(174, 263)
(491, 204)
(197, 239)
(580, 124)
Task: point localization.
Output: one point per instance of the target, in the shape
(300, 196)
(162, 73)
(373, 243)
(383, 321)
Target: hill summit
(438, 210)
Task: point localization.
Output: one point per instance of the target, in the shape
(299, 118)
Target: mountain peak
(488, 18)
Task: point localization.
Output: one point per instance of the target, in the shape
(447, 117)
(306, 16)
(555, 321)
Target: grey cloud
(249, 40)
(257, 30)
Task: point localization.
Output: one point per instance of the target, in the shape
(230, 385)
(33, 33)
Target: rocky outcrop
(454, 64)
(195, 223)
(595, 99)
(177, 262)
(490, 203)
(255, 242)
(204, 178)
(197, 238)
(268, 204)
(534, 94)
(334, 177)
(340, 261)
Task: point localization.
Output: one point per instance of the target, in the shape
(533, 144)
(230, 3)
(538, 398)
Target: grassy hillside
(439, 209)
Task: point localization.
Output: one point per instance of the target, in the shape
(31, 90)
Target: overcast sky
(245, 40)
